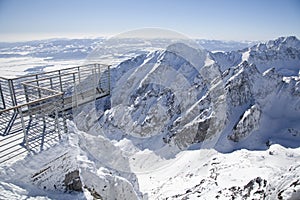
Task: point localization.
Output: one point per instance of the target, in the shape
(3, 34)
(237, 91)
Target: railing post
(26, 92)
(37, 84)
(99, 76)
(57, 123)
(64, 118)
(99, 84)
(95, 80)
(75, 91)
(108, 68)
(51, 83)
(79, 78)
(12, 92)
(24, 128)
(26, 97)
(60, 83)
(2, 97)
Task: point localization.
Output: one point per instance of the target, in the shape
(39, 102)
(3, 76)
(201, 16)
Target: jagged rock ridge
(185, 96)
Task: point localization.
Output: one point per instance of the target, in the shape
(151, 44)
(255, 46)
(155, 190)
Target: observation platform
(34, 108)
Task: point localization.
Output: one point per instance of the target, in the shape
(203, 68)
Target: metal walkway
(34, 108)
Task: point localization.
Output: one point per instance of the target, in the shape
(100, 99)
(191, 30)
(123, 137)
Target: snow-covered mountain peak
(155, 89)
(287, 42)
(283, 54)
(286, 45)
(195, 56)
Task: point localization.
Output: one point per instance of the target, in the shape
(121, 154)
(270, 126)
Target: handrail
(31, 102)
(49, 77)
(65, 69)
(43, 88)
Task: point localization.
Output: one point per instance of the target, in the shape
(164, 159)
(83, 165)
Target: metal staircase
(34, 108)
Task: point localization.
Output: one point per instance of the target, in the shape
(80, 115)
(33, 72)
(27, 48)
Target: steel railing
(32, 107)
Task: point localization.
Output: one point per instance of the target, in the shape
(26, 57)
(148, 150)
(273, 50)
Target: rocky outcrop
(247, 124)
(240, 86)
(157, 92)
(72, 181)
(58, 174)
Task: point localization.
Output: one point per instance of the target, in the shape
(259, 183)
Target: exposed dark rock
(202, 131)
(247, 124)
(72, 181)
(94, 193)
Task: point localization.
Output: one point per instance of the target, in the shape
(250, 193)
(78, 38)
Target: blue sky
(209, 19)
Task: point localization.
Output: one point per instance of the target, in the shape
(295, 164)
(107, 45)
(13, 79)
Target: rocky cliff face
(184, 96)
(247, 124)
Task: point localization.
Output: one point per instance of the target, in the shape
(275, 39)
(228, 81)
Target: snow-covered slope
(176, 126)
(181, 96)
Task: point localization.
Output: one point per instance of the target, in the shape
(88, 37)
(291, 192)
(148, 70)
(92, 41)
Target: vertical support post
(26, 97)
(79, 78)
(94, 80)
(64, 118)
(37, 84)
(60, 83)
(40, 96)
(57, 126)
(63, 103)
(24, 128)
(12, 92)
(26, 93)
(108, 68)
(75, 90)
(51, 83)
(100, 79)
(2, 98)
